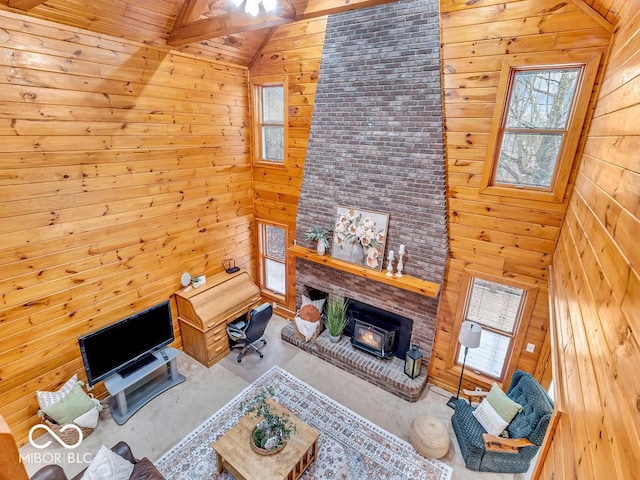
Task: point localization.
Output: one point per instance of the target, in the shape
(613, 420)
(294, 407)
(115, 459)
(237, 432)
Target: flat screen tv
(127, 344)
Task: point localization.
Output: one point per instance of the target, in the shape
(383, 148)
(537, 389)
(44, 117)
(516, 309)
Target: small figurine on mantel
(400, 264)
(390, 264)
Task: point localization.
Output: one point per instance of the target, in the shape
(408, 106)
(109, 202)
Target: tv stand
(137, 365)
(131, 391)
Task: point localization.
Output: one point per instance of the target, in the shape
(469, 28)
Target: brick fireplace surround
(376, 144)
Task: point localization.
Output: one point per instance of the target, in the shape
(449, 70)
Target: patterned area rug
(350, 447)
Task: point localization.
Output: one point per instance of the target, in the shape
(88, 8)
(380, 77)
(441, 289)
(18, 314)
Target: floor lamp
(469, 337)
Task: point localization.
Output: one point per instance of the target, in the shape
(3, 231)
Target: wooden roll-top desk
(203, 313)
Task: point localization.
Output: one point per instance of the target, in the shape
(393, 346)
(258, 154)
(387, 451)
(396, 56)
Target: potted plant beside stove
(336, 317)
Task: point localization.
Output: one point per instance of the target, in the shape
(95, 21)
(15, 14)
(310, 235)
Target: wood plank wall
(596, 283)
(294, 51)
(145, 21)
(122, 166)
(506, 237)
(106, 186)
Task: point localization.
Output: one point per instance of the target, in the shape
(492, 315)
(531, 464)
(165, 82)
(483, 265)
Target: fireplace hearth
(383, 338)
(387, 374)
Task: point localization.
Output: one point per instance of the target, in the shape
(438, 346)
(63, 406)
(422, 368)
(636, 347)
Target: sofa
(529, 426)
(143, 469)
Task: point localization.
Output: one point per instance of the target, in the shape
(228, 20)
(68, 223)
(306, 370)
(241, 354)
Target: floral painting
(359, 237)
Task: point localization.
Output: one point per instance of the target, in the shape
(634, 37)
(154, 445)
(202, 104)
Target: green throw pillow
(502, 404)
(70, 407)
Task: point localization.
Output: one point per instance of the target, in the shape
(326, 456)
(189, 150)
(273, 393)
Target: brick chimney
(376, 144)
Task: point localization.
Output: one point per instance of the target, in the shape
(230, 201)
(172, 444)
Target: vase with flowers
(321, 236)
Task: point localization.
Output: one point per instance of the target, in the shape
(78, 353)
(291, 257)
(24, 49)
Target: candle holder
(400, 265)
(390, 264)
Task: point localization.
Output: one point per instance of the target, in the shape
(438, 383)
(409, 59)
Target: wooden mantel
(406, 282)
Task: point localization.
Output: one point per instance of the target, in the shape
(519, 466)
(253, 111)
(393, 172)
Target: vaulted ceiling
(218, 29)
(211, 28)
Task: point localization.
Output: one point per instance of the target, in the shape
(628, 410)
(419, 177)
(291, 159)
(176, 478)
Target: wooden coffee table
(234, 452)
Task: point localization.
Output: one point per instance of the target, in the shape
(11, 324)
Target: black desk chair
(247, 335)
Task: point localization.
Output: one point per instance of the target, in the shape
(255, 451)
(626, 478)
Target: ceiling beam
(603, 22)
(320, 8)
(190, 12)
(221, 26)
(24, 4)
(259, 51)
(237, 22)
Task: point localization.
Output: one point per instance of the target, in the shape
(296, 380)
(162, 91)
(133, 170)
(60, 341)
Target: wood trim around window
(589, 63)
(260, 261)
(522, 325)
(256, 145)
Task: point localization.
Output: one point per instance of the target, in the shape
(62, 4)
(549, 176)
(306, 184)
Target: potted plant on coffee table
(271, 433)
(320, 235)
(336, 317)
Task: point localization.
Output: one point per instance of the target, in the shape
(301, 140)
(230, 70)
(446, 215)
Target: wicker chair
(530, 424)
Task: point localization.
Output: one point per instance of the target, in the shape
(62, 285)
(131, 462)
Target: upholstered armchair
(143, 469)
(528, 427)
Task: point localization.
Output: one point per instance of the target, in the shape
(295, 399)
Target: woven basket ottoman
(429, 436)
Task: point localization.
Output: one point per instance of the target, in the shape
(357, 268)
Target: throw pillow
(108, 464)
(316, 303)
(489, 418)
(71, 406)
(502, 404)
(88, 419)
(46, 399)
(310, 313)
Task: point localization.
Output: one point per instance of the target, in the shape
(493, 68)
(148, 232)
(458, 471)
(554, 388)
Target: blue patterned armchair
(531, 424)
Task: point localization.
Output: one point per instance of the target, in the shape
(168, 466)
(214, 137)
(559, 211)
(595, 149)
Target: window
(270, 121)
(535, 125)
(273, 270)
(503, 309)
(497, 309)
(536, 128)
(272, 124)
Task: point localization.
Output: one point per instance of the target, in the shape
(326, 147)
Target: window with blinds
(498, 309)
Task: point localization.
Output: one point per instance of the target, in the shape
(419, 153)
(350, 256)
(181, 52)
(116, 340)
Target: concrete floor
(168, 418)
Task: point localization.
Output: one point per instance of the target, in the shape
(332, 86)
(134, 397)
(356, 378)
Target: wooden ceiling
(215, 29)
(607, 9)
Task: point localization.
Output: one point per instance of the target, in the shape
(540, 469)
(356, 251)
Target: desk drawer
(216, 335)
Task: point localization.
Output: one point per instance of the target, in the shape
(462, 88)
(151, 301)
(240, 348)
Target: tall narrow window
(538, 118)
(273, 271)
(503, 308)
(270, 120)
(497, 308)
(272, 123)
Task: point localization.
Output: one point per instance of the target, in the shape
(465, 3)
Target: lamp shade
(470, 333)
